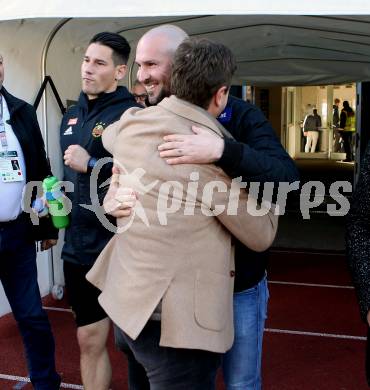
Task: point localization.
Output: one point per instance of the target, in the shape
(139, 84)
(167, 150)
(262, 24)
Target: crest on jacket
(98, 129)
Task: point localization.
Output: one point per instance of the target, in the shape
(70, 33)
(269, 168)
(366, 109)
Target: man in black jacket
(22, 160)
(101, 103)
(257, 155)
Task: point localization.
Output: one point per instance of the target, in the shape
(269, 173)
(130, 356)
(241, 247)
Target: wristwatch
(91, 164)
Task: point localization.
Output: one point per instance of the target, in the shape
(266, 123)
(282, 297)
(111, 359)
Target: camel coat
(176, 249)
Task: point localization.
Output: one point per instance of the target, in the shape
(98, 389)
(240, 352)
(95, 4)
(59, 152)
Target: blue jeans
(170, 368)
(18, 274)
(242, 363)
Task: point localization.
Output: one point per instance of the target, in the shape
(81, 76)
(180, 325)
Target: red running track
(313, 340)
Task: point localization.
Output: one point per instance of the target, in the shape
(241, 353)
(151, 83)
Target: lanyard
(3, 140)
(1, 107)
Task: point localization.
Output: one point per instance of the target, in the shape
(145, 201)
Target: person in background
(347, 128)
(139, 92)
(336, 120)
(311, 127)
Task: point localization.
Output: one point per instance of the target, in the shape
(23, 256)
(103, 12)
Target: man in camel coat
(167, 280)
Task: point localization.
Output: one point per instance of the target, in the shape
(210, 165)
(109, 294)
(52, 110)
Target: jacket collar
(13, 103)
(120, 95)
(194, 113)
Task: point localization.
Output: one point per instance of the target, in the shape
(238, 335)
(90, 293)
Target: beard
(163, 93)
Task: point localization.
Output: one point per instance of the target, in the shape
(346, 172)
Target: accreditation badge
(10, 168)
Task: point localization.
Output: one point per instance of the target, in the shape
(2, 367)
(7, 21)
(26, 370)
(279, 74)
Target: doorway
(300, 102)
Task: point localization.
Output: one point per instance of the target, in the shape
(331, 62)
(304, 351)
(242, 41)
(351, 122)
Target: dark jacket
(358, 245)
(358, 236)
(312, 122)
(24, 123)
(257, 155)
(83, 125)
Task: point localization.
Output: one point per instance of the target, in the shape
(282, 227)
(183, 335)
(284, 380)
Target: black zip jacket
(257, 155)
(24, 123)
(83, 125)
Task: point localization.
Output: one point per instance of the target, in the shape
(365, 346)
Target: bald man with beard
(257, 155)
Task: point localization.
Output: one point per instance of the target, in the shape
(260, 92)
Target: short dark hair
(200, 68)
(119, 45)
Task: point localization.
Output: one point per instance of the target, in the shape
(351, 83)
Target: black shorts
(82, 295)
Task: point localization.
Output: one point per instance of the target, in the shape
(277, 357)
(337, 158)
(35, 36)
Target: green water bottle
(56, 202)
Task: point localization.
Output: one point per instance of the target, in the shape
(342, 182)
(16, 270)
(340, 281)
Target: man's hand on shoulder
(76, 157)
(202, 147)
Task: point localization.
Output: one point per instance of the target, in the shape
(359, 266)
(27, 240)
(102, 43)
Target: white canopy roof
(20, 9)
(270, 49)
(275, 42)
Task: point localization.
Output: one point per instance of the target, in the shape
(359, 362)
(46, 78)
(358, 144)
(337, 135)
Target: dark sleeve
(45, 229)
(358, 236)
(257, 154)
(102, 190)
(343, 118)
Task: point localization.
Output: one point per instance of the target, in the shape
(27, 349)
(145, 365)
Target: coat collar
(195, 114)
(120, 95)
(13, 103)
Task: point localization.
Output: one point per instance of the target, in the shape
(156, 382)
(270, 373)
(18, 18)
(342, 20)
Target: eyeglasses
(142, 96)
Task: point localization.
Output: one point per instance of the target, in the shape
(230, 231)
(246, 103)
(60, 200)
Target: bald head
(154, 55)
(168, 35)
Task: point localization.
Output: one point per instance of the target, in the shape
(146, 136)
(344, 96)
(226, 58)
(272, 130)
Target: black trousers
(167, 368)
(347, 144)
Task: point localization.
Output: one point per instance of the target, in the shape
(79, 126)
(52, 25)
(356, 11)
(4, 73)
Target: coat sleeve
(110, 134)
(109, 138)
(358, 236)
(252, 224)
(257, 154)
